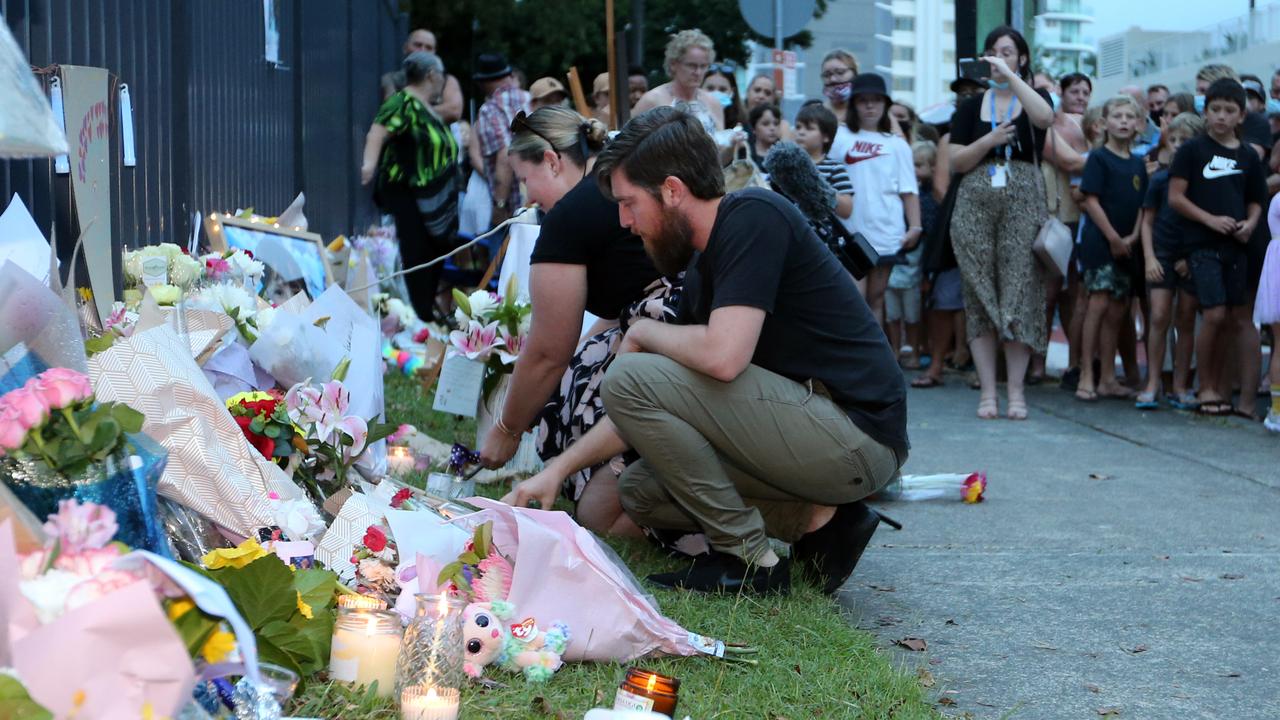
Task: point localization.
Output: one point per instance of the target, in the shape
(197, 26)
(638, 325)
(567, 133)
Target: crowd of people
(747, 378)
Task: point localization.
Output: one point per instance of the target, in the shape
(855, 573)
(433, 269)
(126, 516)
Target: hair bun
(595, 131)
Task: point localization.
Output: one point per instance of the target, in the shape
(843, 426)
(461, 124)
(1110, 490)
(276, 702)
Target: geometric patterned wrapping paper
(212, 468)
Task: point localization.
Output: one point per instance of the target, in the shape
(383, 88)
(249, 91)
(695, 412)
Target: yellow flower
(218, 646)
(237, 557)
(178, 608)
(303, 608)
(251, 396)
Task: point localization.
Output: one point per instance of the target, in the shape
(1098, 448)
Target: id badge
(999, 175)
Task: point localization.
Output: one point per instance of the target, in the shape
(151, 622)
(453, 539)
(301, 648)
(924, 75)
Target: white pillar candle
(365, 649)
(429, 703)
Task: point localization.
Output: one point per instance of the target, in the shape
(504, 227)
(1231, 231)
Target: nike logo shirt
(1220, 181)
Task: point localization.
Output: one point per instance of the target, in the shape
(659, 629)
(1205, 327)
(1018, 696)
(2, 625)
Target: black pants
(418, 245)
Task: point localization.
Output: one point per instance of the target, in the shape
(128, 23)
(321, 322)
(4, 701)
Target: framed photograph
(295, 259)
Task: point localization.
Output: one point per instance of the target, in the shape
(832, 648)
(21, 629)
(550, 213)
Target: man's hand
(1244, 230)
(1223, 224)
(1182, 268)
(498, 448)
(541, 488)
(910, 240)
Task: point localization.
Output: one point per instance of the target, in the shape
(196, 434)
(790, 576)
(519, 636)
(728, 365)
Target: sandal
(1242, 414)
(1185, 401)
(1017, 409)
(989, 408)
(926, 381)
(1146, 401)
(1215, 409)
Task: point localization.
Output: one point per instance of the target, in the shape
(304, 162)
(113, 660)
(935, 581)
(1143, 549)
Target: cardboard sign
(88, 117)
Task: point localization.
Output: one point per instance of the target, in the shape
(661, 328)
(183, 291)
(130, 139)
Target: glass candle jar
(429, 703)
(431, 652)
(365, 646)
(647, 690)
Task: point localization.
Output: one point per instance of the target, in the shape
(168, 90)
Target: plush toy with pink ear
(492, 635)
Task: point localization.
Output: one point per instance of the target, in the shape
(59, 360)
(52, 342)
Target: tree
(547, 37)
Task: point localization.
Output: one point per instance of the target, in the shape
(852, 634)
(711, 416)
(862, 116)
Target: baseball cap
(543, 87)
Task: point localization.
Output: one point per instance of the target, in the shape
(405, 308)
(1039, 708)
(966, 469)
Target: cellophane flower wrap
(58, 443)
(334, 438)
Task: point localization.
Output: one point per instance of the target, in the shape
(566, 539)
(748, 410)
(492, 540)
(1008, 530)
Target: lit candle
(399, 461)
(645, 690)
(365, 647)
(429, 703)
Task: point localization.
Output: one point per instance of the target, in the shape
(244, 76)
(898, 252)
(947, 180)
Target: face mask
(1273, 106)
(1055, 100)
(839, 92)
(725, 99)
(1200, 104)
(998, 85)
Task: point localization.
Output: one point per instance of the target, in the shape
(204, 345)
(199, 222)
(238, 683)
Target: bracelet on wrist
(502, 428)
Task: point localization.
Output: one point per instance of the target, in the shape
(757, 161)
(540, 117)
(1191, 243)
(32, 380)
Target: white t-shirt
(881, 169)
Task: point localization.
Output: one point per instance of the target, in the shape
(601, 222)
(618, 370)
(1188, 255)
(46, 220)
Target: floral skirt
(577, 405)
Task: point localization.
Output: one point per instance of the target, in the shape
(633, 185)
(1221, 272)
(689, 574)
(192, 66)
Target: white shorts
(902, 304)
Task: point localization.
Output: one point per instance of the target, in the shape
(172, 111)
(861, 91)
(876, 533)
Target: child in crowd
(764, 121)
(816, 128)
(886, 204)
(1266, 310)
(1114, 183)
(1217, 184)
(902, 299)
(1167, 273)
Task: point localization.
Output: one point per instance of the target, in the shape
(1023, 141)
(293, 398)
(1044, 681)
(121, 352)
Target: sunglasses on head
(724, 68)
(520, 123)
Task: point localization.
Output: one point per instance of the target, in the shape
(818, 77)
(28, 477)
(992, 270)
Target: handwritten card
(458, 392)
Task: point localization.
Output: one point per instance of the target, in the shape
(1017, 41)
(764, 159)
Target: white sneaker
(1272, 422)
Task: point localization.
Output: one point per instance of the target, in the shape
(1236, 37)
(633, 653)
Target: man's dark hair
(1225, 89)
(1157, 88)
(636, 70)
(663, 142)
(818, 115)
(758, 112)
(1073, 78)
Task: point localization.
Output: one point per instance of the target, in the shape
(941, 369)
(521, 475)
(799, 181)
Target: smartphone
(975, 69)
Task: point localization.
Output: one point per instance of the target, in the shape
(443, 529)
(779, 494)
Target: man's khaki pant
(739, 461)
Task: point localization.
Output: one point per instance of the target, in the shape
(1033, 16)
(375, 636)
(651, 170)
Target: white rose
(482, 305)
(184, 270)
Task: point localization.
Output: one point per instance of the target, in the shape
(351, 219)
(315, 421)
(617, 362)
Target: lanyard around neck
(1013, 103)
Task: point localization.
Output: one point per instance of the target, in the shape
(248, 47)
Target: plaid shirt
(493, 127)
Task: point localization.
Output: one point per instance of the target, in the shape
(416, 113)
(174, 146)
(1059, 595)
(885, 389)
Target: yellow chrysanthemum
(251, 396)
(237, 557)
(303, 608)
(218, 646)
(178, 608)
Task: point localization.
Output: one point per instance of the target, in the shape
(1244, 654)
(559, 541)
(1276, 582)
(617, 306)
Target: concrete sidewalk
(1122, 560)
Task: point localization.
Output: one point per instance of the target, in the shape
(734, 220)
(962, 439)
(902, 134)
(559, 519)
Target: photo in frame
(295, 259)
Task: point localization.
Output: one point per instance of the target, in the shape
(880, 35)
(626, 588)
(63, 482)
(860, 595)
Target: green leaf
(340, 372)
(261, 590)
(306, 641)
(102, 343)
(256, 425)
(269, 653)
(130, 420)
(16, 702)
(195, 627)
(316, 587)
(271, 431)
(379, 431)
(233, 313)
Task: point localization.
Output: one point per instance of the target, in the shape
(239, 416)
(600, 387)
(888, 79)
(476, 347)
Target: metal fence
(217, 126)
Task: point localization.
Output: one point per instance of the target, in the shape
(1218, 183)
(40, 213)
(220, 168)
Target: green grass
(812, 662)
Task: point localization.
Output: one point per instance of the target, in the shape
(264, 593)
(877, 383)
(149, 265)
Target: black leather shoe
(720, 572)
(830, 553)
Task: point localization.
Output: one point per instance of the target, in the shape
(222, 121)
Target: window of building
(904, 22)
(907, 54)
(904, 84)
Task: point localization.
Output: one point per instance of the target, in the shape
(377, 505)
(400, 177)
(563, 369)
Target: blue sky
(1112, 17)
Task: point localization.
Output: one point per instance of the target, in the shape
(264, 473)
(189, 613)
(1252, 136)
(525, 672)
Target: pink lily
(477, 342)
(511, 346)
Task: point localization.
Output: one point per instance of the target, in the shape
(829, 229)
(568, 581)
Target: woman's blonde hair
(844, 56)
(682, 42)
(927, 148)
(1187, 122)
(1091, 117)
(1110, 106)
(1215, 71)
(560, 130)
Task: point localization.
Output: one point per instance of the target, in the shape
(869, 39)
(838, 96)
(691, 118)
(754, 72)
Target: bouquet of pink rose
(57, 443)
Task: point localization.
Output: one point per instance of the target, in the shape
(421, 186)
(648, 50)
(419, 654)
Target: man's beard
(672, 247)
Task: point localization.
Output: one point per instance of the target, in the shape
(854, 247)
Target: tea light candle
(429, 703)
(365, 646)
(400, 461)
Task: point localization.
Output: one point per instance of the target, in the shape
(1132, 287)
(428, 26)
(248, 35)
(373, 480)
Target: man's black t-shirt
(1166, 235)
(1256, 130)
(583, 229)
(763, 254)
(1120, 184)
(1220, 181)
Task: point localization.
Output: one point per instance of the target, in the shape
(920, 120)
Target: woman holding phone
(995, 142)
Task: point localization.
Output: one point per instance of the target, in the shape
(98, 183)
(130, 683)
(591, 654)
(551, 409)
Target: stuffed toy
(492, 635)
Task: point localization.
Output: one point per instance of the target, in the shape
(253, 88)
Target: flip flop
(1086, 396)
(1146, 401)
(1215, 409)
(926, 381)
(1242, 414)
(1185, 401)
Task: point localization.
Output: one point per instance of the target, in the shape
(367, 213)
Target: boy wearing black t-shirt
(1217, 184)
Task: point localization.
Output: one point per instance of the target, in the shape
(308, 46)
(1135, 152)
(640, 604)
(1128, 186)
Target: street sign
(759, 15)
